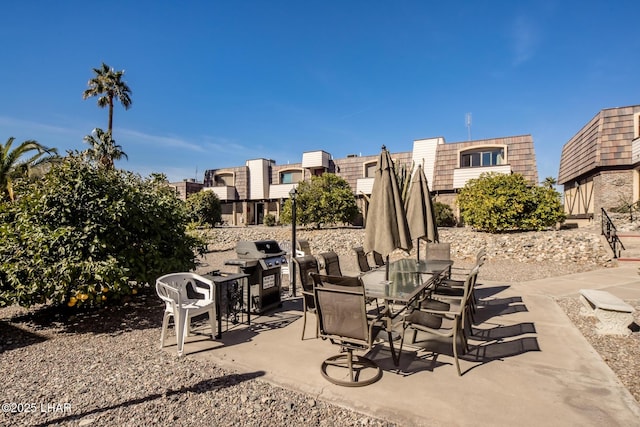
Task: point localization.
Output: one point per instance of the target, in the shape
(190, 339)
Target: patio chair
(302, 245)
(455, 291)
(329, 264)
(481, 257)
(306, 266)
(343, 319)
(363, 264)
(175, 289)
(438, 252)
(447, 324)
(453, 288)
(378, 259)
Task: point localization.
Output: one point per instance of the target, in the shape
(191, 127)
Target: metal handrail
(611, 234)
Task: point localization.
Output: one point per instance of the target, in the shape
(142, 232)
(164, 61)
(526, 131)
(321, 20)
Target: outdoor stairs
(631, 251)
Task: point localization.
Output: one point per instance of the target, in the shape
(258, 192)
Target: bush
(204, 207)
(269, 220)
(325, 199)
(84, 236)
(444, 215)
(499, 202)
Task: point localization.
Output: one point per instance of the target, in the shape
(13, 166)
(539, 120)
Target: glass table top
(407, 278)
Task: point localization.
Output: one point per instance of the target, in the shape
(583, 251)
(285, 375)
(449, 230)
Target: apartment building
(260, 186)
(600, 164)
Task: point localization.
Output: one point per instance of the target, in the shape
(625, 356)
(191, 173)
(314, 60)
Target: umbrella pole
(418, 249)
(386, 269)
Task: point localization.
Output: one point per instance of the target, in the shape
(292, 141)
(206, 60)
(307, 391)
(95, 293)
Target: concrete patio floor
(529, 365)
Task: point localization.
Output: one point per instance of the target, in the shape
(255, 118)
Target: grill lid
(258, 249)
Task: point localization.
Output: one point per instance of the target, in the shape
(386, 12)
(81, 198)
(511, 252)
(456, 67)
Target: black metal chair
(343, 319)
(378, 259)
(436, 251)
(303, 246)
(363, 264)
(306, 265)
(329, 264)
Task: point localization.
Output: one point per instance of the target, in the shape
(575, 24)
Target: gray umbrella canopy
(387, 228)
(421, 215)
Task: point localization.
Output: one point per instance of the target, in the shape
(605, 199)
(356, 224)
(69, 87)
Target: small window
(224, 180)
(482, 157)
(370, 169)
(290, 177)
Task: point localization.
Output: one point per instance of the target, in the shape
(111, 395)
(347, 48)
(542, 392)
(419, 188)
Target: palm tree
(13, 166)
(549, 182)
(107, 85)
(104, 149)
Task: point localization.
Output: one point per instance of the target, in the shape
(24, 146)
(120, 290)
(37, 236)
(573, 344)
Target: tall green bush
(204, 207)
(325, 199)
(269, 220)
(84, 236)
(500, 202)
(444, 215)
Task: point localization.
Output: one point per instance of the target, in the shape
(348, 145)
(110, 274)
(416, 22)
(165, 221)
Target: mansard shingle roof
(605, 141)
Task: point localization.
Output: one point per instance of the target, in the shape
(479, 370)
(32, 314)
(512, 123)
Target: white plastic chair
(286, 246)
(172, 289)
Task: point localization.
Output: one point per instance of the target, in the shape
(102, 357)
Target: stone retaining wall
(576, 246)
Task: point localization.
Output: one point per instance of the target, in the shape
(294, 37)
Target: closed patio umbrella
(387, 228)
(421, 215)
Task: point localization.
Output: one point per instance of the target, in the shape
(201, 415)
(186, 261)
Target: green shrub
(444, 215)
(204, 207)
(500, 202)
(325, 199)
(269, 220)
(84, 236)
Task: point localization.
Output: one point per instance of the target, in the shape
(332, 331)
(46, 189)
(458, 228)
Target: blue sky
(215, 83)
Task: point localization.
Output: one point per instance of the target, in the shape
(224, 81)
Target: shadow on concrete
(411, 361)
(502, 332)
(241, 333)
(488, 309)
(482, 292)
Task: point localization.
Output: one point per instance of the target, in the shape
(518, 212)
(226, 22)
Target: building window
(290, 177)
(370, 169)
(482, 157)
(224, 180)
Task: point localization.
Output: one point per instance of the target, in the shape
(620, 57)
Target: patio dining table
(408, 280)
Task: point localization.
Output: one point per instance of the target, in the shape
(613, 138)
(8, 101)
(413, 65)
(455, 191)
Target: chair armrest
(208, 292)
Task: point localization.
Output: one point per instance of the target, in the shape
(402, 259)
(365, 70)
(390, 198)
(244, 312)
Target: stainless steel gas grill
(261, 260)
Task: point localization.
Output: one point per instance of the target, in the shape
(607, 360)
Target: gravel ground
(104, 368)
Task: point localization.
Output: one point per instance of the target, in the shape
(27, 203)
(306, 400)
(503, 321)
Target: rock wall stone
(575, 246)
